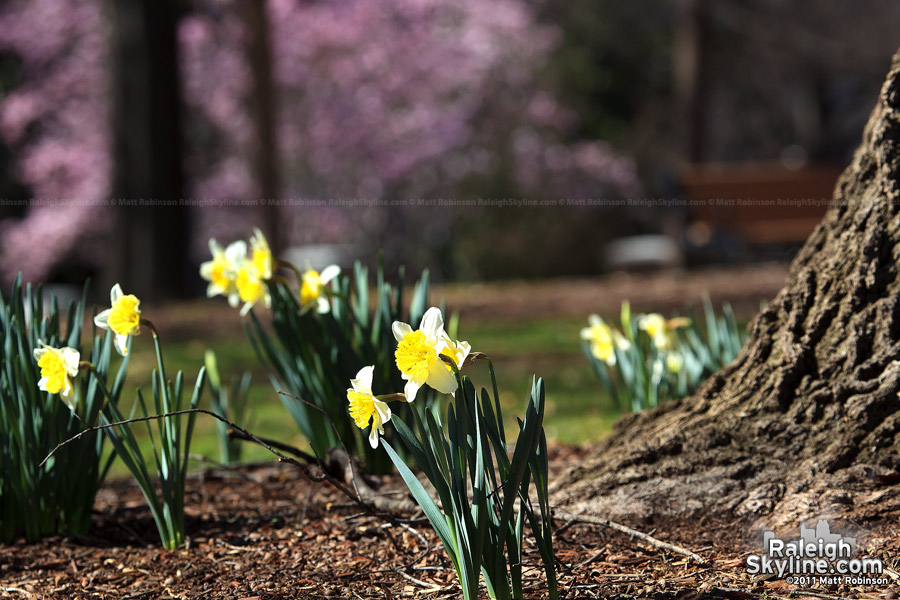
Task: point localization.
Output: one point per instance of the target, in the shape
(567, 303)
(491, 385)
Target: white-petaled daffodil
(123, 317)
(221, 271)
(58, 367)
(603, 340)
(365, 407)
(312, 289)
(660, 329)
(418, 355)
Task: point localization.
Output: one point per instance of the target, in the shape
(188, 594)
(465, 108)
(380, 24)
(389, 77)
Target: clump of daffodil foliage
(41, 353)
(170, 435)
(649, 359)
(483, 499)
(229, 402)
(319, 327)
(170, 444)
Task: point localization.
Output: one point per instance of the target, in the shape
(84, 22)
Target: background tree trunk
(805, 422)
(152, 227)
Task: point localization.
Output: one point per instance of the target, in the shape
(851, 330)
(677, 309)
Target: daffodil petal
(462, 353)
(384, 412)
(400, 330)
(102, 319)
(322, 305)
(236, 251)
(411, 389)
(441, 378)
(363, 381)
(206, 270)
(115, 293)
(71, 357)
(39, 352)
(432, 323)
(329, 273)
(121, 344)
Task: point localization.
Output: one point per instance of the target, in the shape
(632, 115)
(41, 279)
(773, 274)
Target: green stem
(289, 265)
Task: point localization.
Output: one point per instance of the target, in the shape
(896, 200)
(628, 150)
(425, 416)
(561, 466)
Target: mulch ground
(264, 532)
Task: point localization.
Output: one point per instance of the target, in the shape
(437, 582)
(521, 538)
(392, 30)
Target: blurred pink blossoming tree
(375, 99)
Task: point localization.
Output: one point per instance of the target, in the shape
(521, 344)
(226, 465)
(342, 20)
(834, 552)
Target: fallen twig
(632, 532)
(366, 494)
(429, 586)
(594, 557)
(240, 435)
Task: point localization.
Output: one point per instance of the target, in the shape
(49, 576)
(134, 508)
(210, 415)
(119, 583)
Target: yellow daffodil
(58, 367)
(251, 287)
(123, 318)
(312, 286)
(262, 254)
(417, 355)
(221, 271)
(660, 329)
(364, 406)
(603, 340)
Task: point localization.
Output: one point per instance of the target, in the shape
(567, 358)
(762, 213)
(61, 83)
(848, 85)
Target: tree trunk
(806, 421)
(152, 225)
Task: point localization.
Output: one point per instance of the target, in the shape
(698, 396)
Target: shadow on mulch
(266, 533)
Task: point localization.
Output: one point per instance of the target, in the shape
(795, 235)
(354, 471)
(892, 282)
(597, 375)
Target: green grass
(577, 410)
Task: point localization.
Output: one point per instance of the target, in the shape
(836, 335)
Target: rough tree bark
(806, 422)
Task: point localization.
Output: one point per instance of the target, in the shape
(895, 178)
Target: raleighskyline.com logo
(816, 557)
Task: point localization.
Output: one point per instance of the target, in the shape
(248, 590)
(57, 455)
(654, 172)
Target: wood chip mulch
(266, 533)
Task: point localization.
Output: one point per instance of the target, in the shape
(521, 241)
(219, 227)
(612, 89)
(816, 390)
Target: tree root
(561, 514)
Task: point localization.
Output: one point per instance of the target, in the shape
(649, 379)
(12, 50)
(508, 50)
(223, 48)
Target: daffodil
(660, 329)
(312, 286)
(251, 287)
(365, 407)
(221, 271)
(674, 362)
(123, 318)
(458, 351)
(418, 355)
(603, 340)
(58, 367)
(262, 254)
